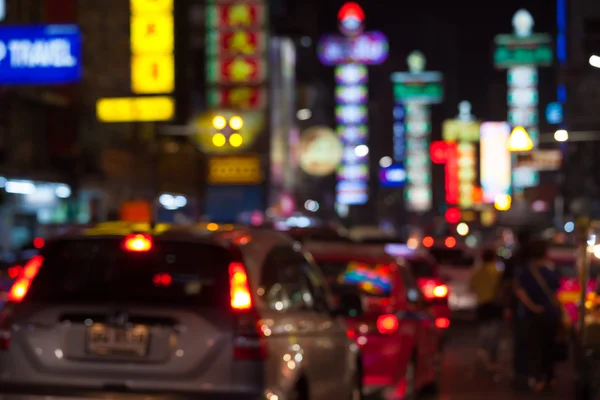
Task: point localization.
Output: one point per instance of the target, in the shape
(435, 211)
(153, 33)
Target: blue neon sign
(40, 54)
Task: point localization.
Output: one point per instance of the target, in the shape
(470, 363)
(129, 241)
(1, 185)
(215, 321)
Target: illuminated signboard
(152, 36)
(512, 51)
(238, 170)
(237, 97)
(541, 160)
(393, 176)
(495, 164)
(399, 133)
(369, 48)
(135, 109)
(38, 55)
(521, 53)
(446, 153)
(425, 87)
(464, 131)
(414, 91)
(350, 53)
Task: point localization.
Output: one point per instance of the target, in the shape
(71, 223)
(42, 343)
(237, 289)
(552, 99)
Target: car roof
(348, 251)
(253, 243)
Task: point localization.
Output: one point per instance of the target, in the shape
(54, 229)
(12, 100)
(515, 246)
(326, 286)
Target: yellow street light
(503, 202)
(219, 140)
(236, 123)
(236, 140)
(219, 122)
(519, 140)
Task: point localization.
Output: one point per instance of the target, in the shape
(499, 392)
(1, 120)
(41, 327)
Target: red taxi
(396, 331)
(425, 269)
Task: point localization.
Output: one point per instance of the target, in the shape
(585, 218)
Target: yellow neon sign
(135, 109)
(152, 34)
(153, 74)
(152, 46)
(151, 6)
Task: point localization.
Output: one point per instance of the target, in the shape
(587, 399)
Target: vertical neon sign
(415, 91)
(464, 130)
(521, 53)
(495, 166)
(350, 54)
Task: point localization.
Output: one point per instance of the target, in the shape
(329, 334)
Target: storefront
(29, 209)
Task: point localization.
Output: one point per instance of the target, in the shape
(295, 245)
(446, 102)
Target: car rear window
(373, 280)
(99, 271)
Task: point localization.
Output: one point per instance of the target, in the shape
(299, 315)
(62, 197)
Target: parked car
(219, 313)
(397, 334)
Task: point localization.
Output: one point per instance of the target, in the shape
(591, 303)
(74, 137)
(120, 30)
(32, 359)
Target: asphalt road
(462, 380)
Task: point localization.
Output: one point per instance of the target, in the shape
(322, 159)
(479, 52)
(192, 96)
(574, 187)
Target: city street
(462, 380)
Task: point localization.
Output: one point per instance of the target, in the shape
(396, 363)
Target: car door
(331, 345)
(426, 337)
(294, 325)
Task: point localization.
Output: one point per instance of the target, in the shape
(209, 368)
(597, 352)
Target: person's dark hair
(536, 249)
(488, 255)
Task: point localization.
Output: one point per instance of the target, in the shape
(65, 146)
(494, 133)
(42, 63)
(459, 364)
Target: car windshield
(452, 257)
(373, 280)
(99, 270)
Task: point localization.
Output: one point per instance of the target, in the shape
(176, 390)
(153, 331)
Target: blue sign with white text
(40, 54)
(393, 176)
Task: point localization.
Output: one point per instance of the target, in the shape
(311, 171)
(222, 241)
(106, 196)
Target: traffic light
(227, 131)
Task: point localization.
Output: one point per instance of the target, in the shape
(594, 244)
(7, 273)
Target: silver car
(213, 312)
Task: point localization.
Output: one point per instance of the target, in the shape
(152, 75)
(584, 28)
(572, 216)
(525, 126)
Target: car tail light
(15, 271)
(442, 323)
(38, 242)
(162, 279)
(20, 287)
(138, 243)
(241, 298)
(387, 324)
(249, 342)
(433, 290)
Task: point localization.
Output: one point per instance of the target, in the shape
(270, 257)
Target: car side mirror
(350, 305)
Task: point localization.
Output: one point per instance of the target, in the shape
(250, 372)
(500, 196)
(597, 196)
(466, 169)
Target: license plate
(108, 341)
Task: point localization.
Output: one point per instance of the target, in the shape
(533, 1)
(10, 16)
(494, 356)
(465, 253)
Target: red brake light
(442, 323)
(162, 280)
(137, 243)
(387, 324)
(450, 242)
(38, 243)
(432, 290)
(15, 271)
(427, 241)
(241, 298)
(20, 287)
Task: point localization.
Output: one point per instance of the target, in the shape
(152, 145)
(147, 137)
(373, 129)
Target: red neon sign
(447, 153)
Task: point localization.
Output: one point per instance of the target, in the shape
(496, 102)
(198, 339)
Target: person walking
(540, 313)
(508, 283)
(485, 283)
